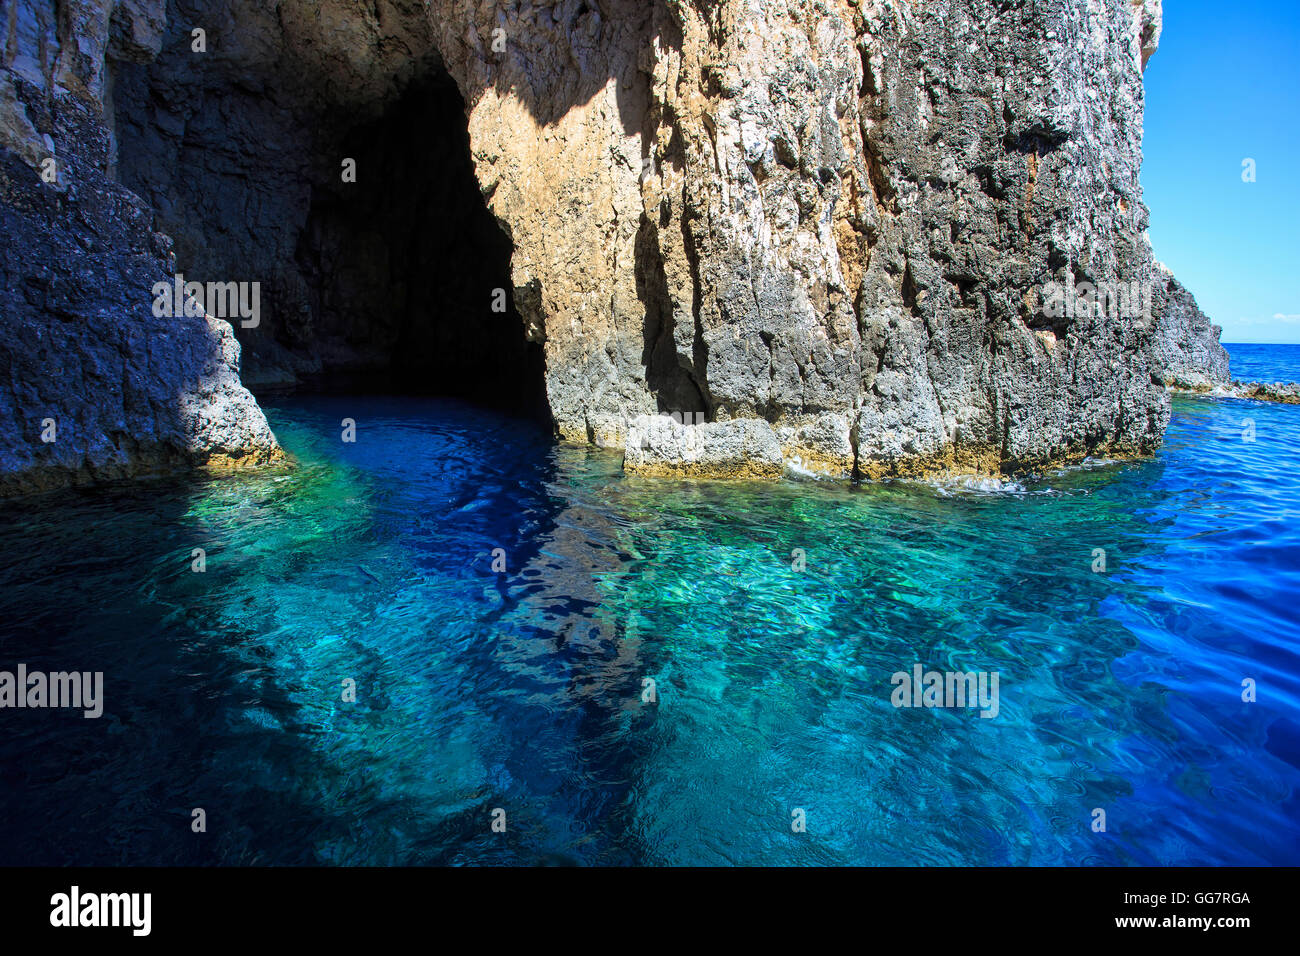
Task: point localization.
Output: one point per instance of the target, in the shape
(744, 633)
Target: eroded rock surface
(659, 446)
(92, 384)
(1187, 353)
(872, 203)
(1284, 393)
(834, 220)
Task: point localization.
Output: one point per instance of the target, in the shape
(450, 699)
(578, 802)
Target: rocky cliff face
(830, 221)
(93, 384)
(874, 198)
(1187, 353)
(833, 234)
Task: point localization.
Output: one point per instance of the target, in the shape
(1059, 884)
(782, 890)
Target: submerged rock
(854, 237)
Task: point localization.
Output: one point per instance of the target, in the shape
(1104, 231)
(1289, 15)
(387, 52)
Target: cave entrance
(406, 272)
(386, 282)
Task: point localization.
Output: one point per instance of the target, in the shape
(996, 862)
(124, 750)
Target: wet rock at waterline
(866, 235)
(1285, 393)
(658, 446)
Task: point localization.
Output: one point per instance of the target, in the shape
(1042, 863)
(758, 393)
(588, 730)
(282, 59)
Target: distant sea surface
(625, 671)
(1264, 363)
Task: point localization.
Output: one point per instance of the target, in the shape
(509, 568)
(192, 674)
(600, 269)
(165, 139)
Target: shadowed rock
(94, 385)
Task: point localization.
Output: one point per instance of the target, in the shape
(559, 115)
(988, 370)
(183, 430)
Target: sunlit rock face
(834, 218)
(874, 197)
(841, 221)
(1187, 350)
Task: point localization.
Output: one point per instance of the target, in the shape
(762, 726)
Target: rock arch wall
(824, 226)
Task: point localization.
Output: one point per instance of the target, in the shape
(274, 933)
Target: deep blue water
(1264, 363)
(522, 690)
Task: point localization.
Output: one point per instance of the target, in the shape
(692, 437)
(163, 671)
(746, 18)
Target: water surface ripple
(523, 689)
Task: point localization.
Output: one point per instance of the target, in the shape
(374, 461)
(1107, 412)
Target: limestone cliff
(93, 384)
(830, 231)
(1187, 351)
(831, 219)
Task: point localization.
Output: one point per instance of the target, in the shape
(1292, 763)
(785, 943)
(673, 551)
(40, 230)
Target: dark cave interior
(409, 260)
(397, 281)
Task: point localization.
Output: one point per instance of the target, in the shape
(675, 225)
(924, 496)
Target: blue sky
(1224, 86)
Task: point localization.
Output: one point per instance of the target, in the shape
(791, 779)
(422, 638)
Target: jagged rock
(95, 386)
(1187, 353)
(837, 223)
(1284, 393)
(1147, 20)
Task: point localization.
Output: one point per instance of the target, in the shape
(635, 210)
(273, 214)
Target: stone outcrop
(93, 385)
(1285, 393)
(1187, 354)
(660, 446)
(836, 219)
(826, 227)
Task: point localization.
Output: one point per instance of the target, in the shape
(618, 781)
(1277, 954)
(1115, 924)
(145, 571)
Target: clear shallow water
(522, 690)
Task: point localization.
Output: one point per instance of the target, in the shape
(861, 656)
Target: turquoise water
(523, 690)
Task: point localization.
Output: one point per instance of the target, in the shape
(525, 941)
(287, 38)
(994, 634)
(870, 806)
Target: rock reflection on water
(526, 690)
